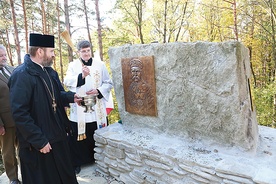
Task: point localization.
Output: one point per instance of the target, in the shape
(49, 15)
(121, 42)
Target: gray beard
(47, 63)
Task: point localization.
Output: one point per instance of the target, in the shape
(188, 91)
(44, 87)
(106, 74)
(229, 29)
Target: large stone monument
(187, 114)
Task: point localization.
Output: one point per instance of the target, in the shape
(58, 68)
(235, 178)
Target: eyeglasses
(85, 51)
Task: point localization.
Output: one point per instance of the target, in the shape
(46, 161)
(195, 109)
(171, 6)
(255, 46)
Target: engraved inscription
(139, 85)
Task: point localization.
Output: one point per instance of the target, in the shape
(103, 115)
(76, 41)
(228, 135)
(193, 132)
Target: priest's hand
(77, 99)
(85, 71)
(92, 92)
(2, 130)
(46, 149)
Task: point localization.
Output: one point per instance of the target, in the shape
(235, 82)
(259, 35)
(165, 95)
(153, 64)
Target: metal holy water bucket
(88, 102)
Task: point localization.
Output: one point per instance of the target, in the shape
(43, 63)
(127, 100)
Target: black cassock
(37, 124)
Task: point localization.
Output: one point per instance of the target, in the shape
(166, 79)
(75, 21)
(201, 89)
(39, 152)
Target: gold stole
(93, 81)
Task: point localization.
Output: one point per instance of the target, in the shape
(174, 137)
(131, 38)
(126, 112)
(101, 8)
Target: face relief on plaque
(139, 85)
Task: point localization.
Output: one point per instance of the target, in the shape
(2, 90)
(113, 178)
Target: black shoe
(77, 169)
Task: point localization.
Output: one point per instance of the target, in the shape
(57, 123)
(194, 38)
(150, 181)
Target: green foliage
(264, 101)
(114, 115)
(212, 21)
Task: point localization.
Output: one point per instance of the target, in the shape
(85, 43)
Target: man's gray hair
(83, 44)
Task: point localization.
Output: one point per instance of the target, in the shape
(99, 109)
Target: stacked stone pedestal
(139, 155)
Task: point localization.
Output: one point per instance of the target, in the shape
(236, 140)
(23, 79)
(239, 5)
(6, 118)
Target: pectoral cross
(54, 105)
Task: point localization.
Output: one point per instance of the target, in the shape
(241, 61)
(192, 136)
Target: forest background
(251, 22)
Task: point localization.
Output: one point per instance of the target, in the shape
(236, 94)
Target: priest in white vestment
(87, 76)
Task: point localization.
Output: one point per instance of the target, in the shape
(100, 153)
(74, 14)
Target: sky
(78, 23)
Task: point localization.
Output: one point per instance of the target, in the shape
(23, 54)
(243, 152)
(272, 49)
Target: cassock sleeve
(21, 89)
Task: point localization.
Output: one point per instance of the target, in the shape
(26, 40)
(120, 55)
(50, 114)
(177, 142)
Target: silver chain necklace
(54, 105)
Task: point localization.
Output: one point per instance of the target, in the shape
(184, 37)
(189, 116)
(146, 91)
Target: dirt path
(89, 175)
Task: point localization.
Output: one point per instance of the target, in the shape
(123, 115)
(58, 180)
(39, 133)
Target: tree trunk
(6, 42)
(273, 53)
(59, 43)
(99, 29)
(234, 4)
(250, 48)
(43, 14)
(25, 25)
(272, 19)
(182, 21)
(87, 25)
(140, 20)
(16, 38)
(165, 21)
(235, 20)
(67, 24)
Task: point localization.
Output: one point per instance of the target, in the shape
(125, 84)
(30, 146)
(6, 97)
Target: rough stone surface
(191, 161)
(202, 91)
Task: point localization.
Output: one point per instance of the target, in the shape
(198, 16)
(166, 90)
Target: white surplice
(98, 79)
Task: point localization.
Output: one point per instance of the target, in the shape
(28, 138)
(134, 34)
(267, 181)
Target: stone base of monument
(141, 155)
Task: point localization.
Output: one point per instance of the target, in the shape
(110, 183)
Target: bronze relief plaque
(139, 85)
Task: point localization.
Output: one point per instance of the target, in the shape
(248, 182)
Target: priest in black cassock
(38, 110)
